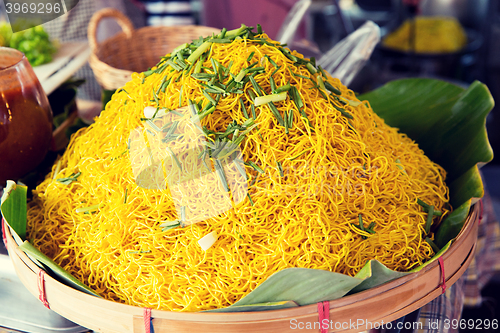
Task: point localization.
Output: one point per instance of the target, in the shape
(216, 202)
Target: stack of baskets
(116, 58)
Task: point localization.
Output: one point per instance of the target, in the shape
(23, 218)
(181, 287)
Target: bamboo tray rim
(26, 270)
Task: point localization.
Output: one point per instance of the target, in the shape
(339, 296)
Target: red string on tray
(41, 288)
(148, 321)
(324, 313)
(443, 276)
(3, 232)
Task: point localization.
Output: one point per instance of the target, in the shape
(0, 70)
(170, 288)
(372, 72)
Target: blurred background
(325, 23)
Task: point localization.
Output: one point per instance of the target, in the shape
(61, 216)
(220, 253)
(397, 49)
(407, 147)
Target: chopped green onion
(280, 169)
(165, 85)
(399, 165)
(322, 72)
(290, 118)
(276, 113)
(180, 96)
(271, 61)
(68, 180)
(432, 244)
(87, 209)
(252, 107)
(139, 252)
(261, 100)
(285, 120)
(255, 86)
(243, 109)
(240, 169)
(170, 225)
(250, 56)
(273, 84)
(252, 95)
(301, 76)
(177, 113)
(360, 219)
(252, 65)
(174, 65)
(183, 213)
(178, 48)
(427, 206)
(153, 125)
(353, 103)
(274, 72)
(222, 177)
(311, 68)
(193, 107)
(197, 67)
(254, 180)
(298, 155)
(288, 55)
(255, 166)
(255, 69)
(148, 73)
(296, 98)
(125, 198)
(210, 98)
(240, 75)
(220, 40)
(250, 198)
(342, 111)
(223, 33)
(321, 83)
(236, 32)
(171, 129)
(428, 223)
(181, 63)
(199, 51)
(283, 88)
(174, 158)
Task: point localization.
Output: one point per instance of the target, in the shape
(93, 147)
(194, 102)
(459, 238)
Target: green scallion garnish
(430, 215)
(87, 209)
(280, 168)
(261, 100)
(250, 198)
(254, 166)
(174, 158)
(427, 206)
(222, 176)
(68, 180)
(199, 51)
(250, 56)
(432, 244)
(243, 109)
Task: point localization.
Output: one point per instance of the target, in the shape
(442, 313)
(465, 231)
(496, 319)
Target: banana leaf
(12, 207)
(449, 124)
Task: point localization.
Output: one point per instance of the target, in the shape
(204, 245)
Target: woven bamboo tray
(116, 58)
(383, 303)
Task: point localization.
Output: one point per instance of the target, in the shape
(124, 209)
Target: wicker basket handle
(120, 18)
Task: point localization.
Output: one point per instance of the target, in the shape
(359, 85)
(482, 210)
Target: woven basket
(385, 303)
(115, 59)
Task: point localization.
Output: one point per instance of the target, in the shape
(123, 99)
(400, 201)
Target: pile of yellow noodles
(333, 170)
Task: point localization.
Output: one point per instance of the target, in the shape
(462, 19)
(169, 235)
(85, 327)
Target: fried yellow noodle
(304, 210)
